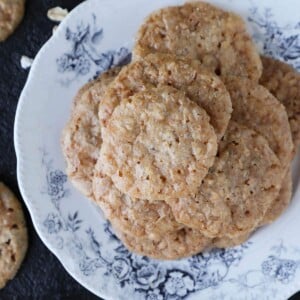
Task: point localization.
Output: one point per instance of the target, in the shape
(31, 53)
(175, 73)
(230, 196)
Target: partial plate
(95, 36)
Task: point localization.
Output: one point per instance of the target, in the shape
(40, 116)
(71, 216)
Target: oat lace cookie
(280, 204)
(11, 14)
(81, 141)
(174, 245)
(284, 83)
(13, 235)
(255, 107)
(277, 207)
(218, 39)
(133, 217)
(158, 144)
(235, 195)
(81, 137)
(187, 75)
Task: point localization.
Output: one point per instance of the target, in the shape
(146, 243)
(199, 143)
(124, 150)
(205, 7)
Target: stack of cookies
(189, 146)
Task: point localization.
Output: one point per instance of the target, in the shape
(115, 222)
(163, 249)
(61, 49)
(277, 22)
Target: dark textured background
(41, 275)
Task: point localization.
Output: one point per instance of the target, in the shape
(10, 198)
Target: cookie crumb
(57, 14)
(26, 62)
(54, 28)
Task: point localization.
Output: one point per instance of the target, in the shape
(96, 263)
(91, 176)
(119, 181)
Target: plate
(95, 36)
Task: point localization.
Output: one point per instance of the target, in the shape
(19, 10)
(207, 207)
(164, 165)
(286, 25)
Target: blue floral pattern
(282, 270)
(178, 284)
(53, 223)
(84, 55)
(150, 279)
(282, 42)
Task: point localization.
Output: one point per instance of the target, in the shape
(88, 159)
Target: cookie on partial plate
(157, 144)
(81, 137)
(13, 235)
(238, 190)
(283, 81)
(11, 14)
(199, 30)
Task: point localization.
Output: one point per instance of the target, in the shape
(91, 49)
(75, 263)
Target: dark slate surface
(41, 275)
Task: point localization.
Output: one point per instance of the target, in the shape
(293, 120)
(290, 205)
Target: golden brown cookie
(13, 235)
(81, 145)
(238, 190)
(175, 245)
(255, 107)
(135, 217)
(275, 209)
(284, 83)
(187, 75)
(158, 144)
(11, 14)
(227, 242)
(81, 138)
(199, 30)
(279, 205)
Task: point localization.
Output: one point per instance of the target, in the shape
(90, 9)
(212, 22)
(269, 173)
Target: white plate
(95, 36)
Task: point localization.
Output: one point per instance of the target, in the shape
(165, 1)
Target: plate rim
(20, 165)
(17, 145)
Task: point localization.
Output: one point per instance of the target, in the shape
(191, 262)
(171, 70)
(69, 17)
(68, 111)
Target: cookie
(158, 144)
(281, 202)
(135, 217)
(284, 83)
(11, 14)
(218, 39)
(175, 245)
(13, 235)
(81, 138)
(81, 143)
(187, 75)
(254, 106)
(227, 242)
(238, 190)
(275, 209)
